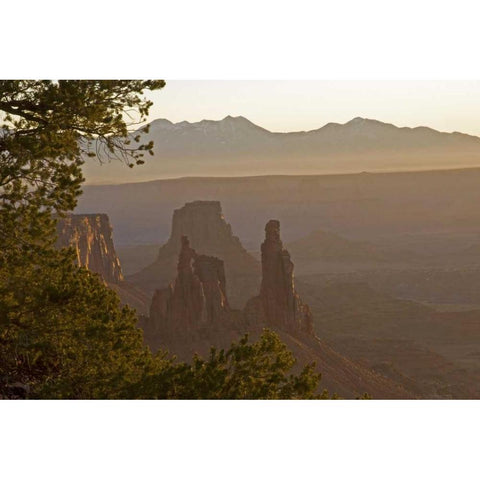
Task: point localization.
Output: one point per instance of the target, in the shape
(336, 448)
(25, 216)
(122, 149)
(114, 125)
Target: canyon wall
(91, 237)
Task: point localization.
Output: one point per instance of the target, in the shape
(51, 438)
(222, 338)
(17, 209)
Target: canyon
(192, 314)
(388, 295)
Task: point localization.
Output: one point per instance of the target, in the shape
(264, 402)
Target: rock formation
(195, 300)
(193, 314)
(91, 237)
(198, 298)
(278, 305)
(205, 226)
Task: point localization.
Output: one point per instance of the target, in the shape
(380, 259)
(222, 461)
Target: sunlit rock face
(91, 237)
(196, 299)
(278, 305)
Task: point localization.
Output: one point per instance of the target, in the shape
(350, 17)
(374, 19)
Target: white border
(240, 440)
(252, 39)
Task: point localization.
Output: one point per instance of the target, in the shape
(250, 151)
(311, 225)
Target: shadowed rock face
(205, 225)
(91, 237)
(278, 304)
(211, 273)
(196, 299)
(208, 232)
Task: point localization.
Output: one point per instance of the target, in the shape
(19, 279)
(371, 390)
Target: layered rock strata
(91, 237)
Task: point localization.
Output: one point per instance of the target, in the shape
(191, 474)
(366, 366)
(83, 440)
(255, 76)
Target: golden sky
(293, 105)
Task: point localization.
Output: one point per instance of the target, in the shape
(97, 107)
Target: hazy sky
(291, 105)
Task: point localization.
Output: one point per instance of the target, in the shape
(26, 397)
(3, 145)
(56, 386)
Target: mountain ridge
(354, 121)
(235, 146)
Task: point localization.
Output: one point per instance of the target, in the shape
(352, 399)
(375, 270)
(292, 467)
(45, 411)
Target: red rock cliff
(91, 237)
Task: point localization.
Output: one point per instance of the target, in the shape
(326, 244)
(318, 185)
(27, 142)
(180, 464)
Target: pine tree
(62, 332)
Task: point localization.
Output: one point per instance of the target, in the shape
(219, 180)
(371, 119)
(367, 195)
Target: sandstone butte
(208, 232)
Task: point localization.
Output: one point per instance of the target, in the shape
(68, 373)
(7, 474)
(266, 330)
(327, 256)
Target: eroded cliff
(91, 237)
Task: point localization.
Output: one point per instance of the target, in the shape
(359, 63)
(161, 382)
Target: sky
(295, 105)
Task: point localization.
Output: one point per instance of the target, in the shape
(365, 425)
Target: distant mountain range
(235, 146)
